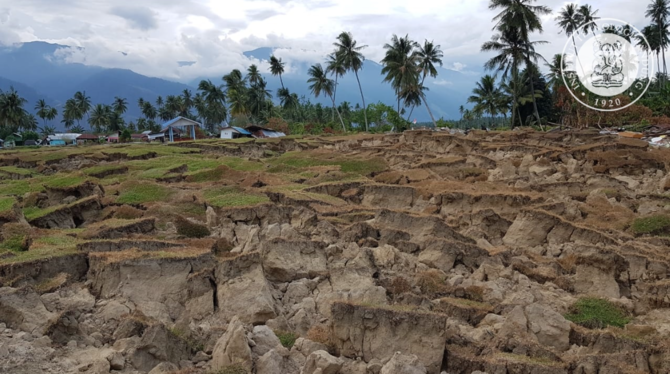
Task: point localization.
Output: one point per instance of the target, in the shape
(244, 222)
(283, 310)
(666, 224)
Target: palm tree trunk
(281, 81)
(428, 108)
(532, 93)
(577, 53)
(365, 108)
(338, 113)
(332, 112)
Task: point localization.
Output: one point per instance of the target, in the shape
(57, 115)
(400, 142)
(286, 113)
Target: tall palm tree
(83, 103)
(120, 105)
(215, 100)
(277, 68)
(400, 64)
(486, 97)
(570, 20)
(588, 16)
(335, 67)
(659, 12)
(99, 119)
(72, 112)
(253, 75)
(513, 52)
(519, 15)
(352, 59)
(321, 84)
(429, 55)
(414, 93)
(42, 110)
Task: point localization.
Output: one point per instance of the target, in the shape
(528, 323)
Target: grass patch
(101, 169)
(594, 313)
(190, 229)
(287, 339)
(653, 225)
(139, 193)
(232, 197)
(20, 187)
(15, 170)
(231, 369)
(6, 203)
(65, 181)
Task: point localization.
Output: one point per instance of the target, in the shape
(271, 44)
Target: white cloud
(443, 82)
(214, 33)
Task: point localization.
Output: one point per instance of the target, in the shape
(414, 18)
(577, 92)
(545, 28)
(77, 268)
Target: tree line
(517, 91)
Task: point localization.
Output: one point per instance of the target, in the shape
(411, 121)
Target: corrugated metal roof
(241, 130)
(175, 120)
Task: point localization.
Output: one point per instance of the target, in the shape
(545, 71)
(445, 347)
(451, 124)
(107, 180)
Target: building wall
(227, 133)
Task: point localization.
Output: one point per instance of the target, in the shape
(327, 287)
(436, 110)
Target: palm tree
(72, 112)
(253, 75)
(215, 100)
(120, 105)
(352, 59)
(486, 97)
(51, 114)
(588, 17)
(557, 66)
(518, 15)
(320, 83)
(335, 67)
(78, 129)
(99, 119)
(413, 94)
(83, 103)
(149, 111)
(42, 110)
(400, 64)
(277, 68)
(47, 130)
(429, 55)
(659, 12)
(570, 21)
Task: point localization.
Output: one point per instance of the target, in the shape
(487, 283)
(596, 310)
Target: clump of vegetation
(431, 282)
(233, 196)
(321, 334)
(6, 204)
(138, 193)
(653, 225)
(594, 313)
(287, 339)
(128, 212)
(399, 285)
(16, 237)
(190, 229)
(210, 175)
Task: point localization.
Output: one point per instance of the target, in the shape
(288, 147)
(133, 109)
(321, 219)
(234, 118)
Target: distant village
(175, 130)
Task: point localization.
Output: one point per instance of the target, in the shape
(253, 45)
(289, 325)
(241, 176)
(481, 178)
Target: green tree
(83, 103)
(659, 12)
(429, 56)
(125, 136)
(321, 84)
(589, 17)
(213, 107)
(348, 50)
(400, 64)
(335, 67)
(42, 110)
(11, 109)
(78, 129)
(486, 97)
(570, 20)
(72, 112)
(47, 130)
(277, 68)
(414, 93)
(253, 75)
(99, 119)
(120, 105)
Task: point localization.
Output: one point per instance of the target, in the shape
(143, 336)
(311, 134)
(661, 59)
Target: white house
(232, 132)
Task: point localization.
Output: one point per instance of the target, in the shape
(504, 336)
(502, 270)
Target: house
(87, 139)
(57, 142)
(30, 142)
(261, 132)
(180, 128)
(139, 138)
(232, 132)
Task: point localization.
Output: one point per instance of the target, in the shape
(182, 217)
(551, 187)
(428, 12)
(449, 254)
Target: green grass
(138, 193)
(20, 187)
(287, 339)
(6, 203)
(597, 313)
(232, 197)
(15, 170)
(239, 164)
(651, 225)
(101, 169)
(65, 181)
(207, 175)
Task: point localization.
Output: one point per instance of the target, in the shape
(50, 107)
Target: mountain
(39, 70)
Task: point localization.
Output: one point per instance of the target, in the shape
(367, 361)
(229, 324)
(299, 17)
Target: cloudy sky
(153, 37)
